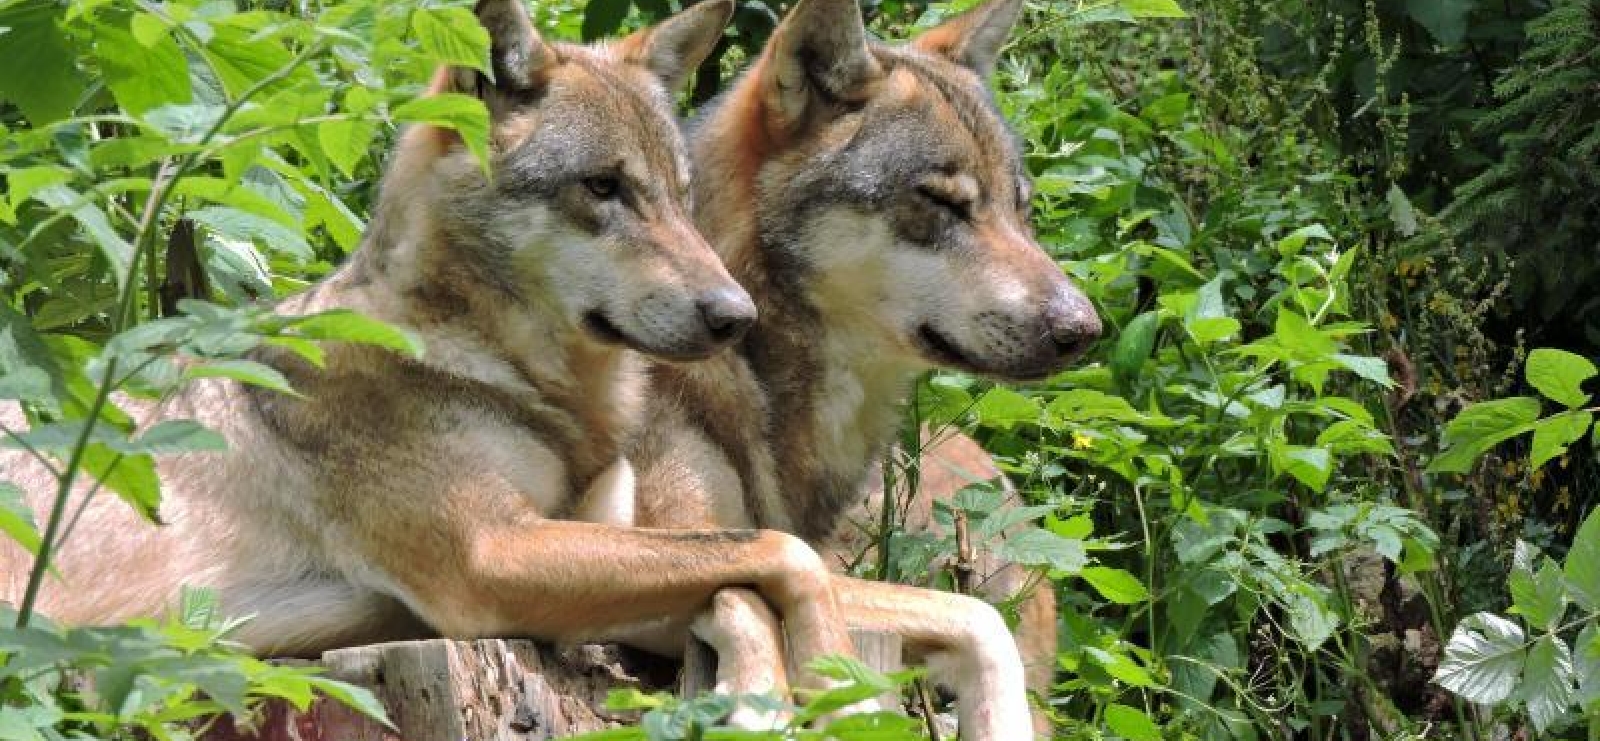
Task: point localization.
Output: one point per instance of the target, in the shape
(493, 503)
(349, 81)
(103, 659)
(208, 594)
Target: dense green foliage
(1321, 235)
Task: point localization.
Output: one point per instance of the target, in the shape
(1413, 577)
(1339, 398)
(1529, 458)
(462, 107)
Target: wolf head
(583, 214)
(887, 186)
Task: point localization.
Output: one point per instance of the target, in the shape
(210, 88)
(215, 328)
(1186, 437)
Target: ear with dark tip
(516, 53)
(817, 55)
(974, 38)
(673, 48)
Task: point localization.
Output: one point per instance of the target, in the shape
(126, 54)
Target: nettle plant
(1545, 659)
(165, 165)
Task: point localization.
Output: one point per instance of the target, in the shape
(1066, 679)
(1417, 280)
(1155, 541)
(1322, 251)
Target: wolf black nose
(1073, 323)
(727, 312)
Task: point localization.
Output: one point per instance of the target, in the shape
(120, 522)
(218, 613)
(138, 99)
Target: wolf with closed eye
(481, 489)
(874, 203)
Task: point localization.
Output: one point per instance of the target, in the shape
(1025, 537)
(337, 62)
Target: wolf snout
(1072, 323)
(727, 313)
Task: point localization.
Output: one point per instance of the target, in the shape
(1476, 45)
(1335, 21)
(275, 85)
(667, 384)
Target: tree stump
(494, 690)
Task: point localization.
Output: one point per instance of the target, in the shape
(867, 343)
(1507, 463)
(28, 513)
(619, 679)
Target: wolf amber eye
(602, 187)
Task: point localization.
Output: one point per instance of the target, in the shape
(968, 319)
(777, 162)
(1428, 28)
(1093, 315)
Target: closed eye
(959, 206)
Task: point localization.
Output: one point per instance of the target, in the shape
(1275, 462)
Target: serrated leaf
(452, 36)
(1035, 547)
(463, 114)
(1115, 585)
(1552, 435)
(132, 477)
(1582, 567)
(1296, 240)
(1560, 375)
(1001, 407)
(1586, 663)
(359, 699)
(1310, 620)
(1372, 369)
(345, 142)
(348, 326)
(53, 83)
(245, 226)
(1548, 682)
(142, 77)
(1121, 667)
(1539, 597)
(1483, 659)
(1131, 723)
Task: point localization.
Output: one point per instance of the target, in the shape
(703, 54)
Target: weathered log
(494, 690)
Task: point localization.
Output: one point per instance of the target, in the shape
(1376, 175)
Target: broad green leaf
(1539, 597)
(1311, 621)
(1003, 408)
(243, 371)
(1153, 8)
(1306, 342)
(1480, 427)
(132, 477)
(1483, 659)
(359, 699)
(346, 141)
(1207, 331)
(453, 36)
(1208, 302)
(1549, 683)
(52, 83)
(1121, 667)
(1296, 241)
(463, 114)
(1552, 435)
(16, 518)
(96, 224)
(1582, 566)
(27, 369)
(1134, 345)
(1559, 375)
(1586, 662)
(1311, 466)
(142, 77)
(348, 326)
(1035, 547)
(1131, 723)
(249, 227)
(243, 60)
(1115, 585)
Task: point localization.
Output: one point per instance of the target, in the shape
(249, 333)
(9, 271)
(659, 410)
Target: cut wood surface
(495, 690)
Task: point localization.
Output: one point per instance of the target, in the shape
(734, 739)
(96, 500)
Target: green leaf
(1296, 241)
(1304, 341)
(142, 78)
(1559, 375)
(1131, 723)
(1121, 667)
(52, 83)
(95, 223)
(132, 477)
(1548, 682)
(359, 699)
(1134, 345)
(1003, 408)
(601, 18)
(463, 114)
(1311, 466)
(1310, 620)
(1446, 20)
(1586, 660)
(1036, 547)
(1540, 598)
(1372, 369)
(1115, 585)
(1480, 427)
(28, 371)
(452, 36)
(1582, 567)
(1153, 8)
(346, 141)
(244, 371)
(348, 326)
(245, 226)
(176, 436)
(1552, 435)
(1483, 659)
(16, 518)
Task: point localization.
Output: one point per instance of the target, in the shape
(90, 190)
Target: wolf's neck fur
(832, 396)
(412, 272)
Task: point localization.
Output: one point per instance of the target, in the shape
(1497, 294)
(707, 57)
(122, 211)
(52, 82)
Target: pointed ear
(818, 56)
(974, 38)
(516, 53)
(674, 47)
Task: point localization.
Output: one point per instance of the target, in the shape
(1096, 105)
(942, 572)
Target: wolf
(874, 203)
(482, 489)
